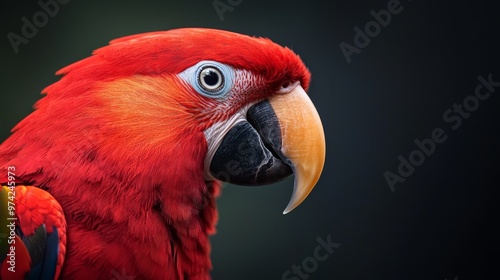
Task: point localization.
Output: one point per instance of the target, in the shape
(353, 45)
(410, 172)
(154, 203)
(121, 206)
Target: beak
(278, 136)
(303, 141)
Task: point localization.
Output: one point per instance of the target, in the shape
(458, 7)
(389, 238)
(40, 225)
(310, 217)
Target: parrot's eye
(211, 79)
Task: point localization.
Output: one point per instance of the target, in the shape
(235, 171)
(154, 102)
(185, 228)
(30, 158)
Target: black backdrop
(440, 223)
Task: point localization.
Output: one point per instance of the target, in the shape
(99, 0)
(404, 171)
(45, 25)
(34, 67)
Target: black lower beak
(249, 154)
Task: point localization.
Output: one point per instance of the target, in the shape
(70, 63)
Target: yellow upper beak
(303, 141)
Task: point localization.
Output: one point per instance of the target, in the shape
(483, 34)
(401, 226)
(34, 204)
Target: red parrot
(116, 172)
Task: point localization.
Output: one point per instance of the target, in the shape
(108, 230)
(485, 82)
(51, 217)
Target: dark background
(441, 223)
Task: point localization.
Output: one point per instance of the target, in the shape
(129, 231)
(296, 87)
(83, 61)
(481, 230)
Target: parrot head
(196, 103)
(141, 133)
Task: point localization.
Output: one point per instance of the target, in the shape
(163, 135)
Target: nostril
(288, 86)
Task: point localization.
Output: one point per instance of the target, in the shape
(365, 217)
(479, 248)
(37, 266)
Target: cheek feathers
(145, 109)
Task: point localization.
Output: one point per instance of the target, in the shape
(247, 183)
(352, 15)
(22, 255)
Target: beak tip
(287, 210)
(298, 196)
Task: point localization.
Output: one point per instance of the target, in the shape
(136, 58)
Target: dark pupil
(211, 78)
